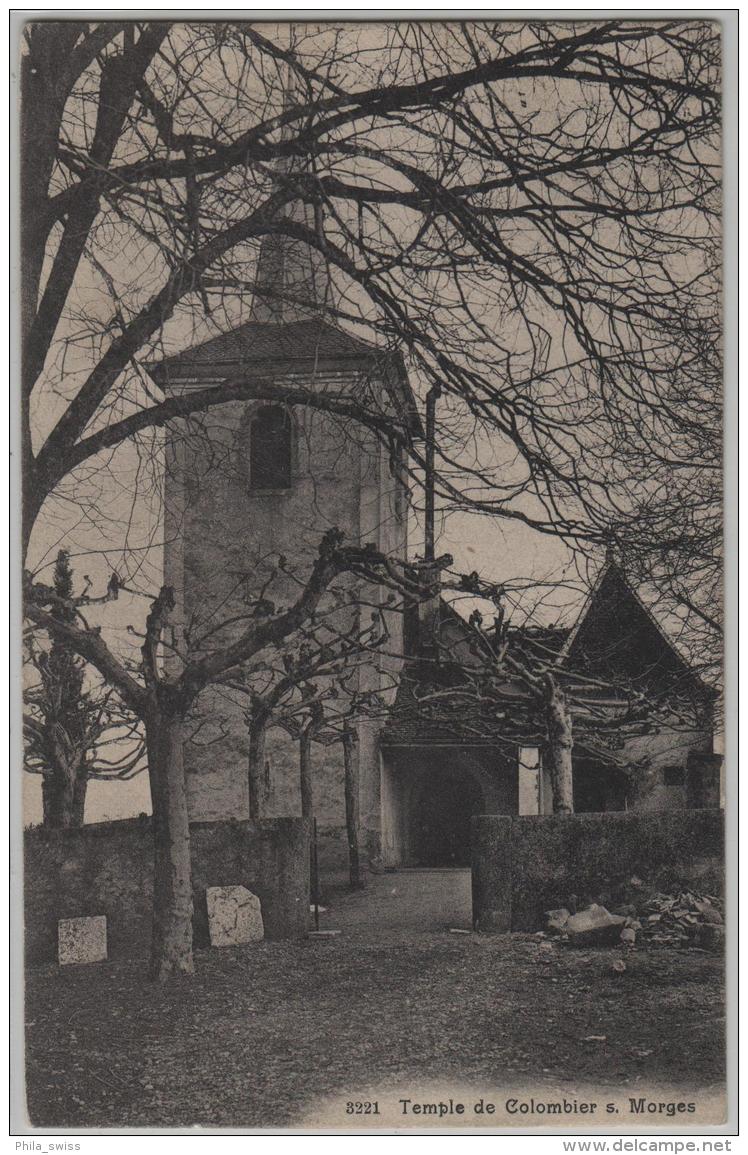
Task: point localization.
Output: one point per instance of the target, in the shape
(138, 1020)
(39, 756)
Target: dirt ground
(403, 902)
(264, 1034)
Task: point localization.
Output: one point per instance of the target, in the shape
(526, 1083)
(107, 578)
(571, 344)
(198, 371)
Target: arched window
(270, 448)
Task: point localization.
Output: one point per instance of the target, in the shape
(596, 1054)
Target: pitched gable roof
(261, 341)
(617, 637)
(299, 346)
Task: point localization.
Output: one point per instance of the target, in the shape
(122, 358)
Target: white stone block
(81, 940)
(234, 916)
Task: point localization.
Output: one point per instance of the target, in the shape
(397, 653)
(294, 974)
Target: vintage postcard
(372, 392)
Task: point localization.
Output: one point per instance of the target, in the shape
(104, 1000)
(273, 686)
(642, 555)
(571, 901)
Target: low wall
(523, 866)
(107, 868)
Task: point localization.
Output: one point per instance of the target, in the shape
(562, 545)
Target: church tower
(251, 488)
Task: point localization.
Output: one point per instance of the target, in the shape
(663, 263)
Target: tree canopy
(530, 210)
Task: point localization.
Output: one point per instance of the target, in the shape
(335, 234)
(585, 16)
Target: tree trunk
(352, 807)
(63, 798)
(80, 788)
(56, 801)
(559, 747)
(40, 120)
(257, 772)
(171, 946)
(305, 773)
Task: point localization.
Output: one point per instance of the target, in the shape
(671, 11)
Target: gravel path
(405, 902)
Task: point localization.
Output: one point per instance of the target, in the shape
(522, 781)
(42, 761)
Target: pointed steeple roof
(293, 281)
(290, 327)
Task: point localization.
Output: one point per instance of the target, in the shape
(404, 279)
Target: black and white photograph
(373, 759)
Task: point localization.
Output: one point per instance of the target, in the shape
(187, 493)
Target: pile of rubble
(594, 926)
(683, 920)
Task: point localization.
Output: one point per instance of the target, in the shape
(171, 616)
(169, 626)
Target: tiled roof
(439, 702)
(258, 341)
(441, 705)
(301, 346)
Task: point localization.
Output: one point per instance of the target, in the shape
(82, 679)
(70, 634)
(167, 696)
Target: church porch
(431, 791)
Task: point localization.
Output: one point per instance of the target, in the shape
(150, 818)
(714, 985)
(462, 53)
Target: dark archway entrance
(441, 808)
(429, 794)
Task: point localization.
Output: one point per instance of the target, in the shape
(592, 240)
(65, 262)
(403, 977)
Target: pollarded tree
(162, 698)
(338, 671)
(525, 208)
(74, 730)
(316, 679)
(524, 685)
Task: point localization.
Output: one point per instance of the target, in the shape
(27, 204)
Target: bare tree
(315, 685)
(520, 685)
(74, 730)
(314, 691)
(555, 183)
(526, 209)
(163, 700)
(529, 209)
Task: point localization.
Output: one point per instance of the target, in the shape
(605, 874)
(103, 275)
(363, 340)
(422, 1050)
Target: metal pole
(315, 874)
(431, 398)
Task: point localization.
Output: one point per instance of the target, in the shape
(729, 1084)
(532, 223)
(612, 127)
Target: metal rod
(429, 535)
(315, 874)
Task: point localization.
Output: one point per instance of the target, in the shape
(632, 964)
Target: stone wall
(223, 541)
(106, 868)
(523, 866)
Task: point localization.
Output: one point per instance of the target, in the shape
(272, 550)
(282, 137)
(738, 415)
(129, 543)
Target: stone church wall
(222, 539)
